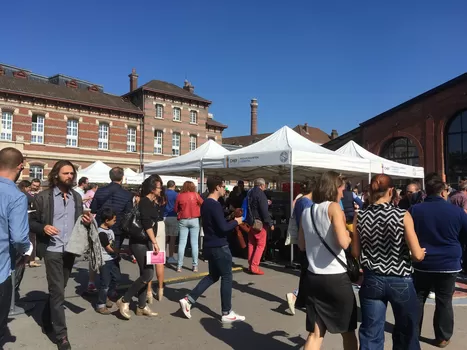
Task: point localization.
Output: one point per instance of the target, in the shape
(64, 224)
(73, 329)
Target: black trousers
(58, 269)
(443, 284)
(6, 289)
(302, 286)
(146, 274)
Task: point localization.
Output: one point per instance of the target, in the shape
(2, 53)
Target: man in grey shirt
(57, 210)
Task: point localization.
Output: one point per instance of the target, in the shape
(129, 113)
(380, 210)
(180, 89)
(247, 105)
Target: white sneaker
(171, 260)
(291, 301)
(185, 305)
(431, 295)
(232, 317)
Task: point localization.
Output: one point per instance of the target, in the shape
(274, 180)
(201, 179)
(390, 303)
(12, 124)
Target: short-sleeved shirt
(107, 237)
(300, 205)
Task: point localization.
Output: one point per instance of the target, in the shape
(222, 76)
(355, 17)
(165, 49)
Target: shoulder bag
(352, 267)
(131, 225)
(257, 224)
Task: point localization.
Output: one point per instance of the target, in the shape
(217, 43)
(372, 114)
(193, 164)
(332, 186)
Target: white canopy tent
(208, 155)
(286, 152)
(380, 165)
(133, 178)
(96, 172)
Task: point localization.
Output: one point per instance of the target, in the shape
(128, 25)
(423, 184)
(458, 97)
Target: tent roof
(96, 172)
(190, 163)
(379, 164)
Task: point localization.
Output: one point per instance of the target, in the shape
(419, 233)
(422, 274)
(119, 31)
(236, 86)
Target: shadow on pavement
(248, 289)
(7, 337)
(241, 335)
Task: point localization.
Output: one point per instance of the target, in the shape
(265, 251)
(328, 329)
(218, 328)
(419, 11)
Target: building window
(36, 172)
(72, 133)
(401, 150)
(103, 141)
(159, 111)
(6, 126)
(158, 142)
(456, 148)
(175, 144)
(193, 117)
(37, 129)
(193, 142)
(177, 114)
(131, 139)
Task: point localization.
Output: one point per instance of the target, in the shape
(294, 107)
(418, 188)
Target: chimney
(254, 116)
(334, 134)
(188, 87)
(305, 127)
(133, 80)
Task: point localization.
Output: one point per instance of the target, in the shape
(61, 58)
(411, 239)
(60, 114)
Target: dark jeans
(146, 274)
(220, 266)
(375, 293)
(110, 275)
(32, 239)
(58, 269)
(6, 289)
(443, 284)
(302, 286)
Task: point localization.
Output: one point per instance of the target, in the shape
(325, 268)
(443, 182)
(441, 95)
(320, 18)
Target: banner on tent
(258, 159)
(390, 169)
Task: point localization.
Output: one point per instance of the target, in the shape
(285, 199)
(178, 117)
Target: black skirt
(331, 298)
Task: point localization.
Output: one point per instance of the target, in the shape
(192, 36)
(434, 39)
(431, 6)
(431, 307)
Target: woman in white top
(331, 304)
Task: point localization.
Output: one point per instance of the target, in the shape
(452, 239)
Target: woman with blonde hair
(188, 209)
(330, 304)
(384, 239)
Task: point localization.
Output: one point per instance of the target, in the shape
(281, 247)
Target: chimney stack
(254, 116)
(334, 134)
(306, 127)
(133, 80)
(188, 87)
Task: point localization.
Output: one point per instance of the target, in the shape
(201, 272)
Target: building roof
(36, 88)
(418, 98)
(172, 89)
(212, 122)
(313, 134)
(352, 135)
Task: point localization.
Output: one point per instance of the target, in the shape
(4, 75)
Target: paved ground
(259, 298)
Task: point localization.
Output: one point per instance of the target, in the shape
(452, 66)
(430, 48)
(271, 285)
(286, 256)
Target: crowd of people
(406, 246)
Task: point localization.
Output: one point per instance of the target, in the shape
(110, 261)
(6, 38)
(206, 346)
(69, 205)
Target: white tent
(96, 172)
(286, 151)
(133, 178)
(208, 155)
(380, 165)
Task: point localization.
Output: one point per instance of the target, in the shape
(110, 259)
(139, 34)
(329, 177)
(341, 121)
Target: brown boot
(103, 311)
(145, 312)
(109, 303)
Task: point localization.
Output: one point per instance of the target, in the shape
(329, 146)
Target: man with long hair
(57, 210)
(14, 228)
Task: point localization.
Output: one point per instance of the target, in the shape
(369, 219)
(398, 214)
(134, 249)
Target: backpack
(245, 206)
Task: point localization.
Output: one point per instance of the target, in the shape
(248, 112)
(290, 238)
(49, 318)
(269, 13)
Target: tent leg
(202, 181)
(291, 265)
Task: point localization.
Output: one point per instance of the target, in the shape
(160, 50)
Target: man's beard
(17, 176)
(67, 184)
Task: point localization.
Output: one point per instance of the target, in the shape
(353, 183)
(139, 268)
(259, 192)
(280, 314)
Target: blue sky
(331, 64)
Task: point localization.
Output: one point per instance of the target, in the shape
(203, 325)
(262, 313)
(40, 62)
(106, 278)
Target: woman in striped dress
(385, 241)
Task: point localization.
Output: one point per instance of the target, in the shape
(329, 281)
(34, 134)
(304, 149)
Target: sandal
(195, 268)
(179, 269)
(34, 264)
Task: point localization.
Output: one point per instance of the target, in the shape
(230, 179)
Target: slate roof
(216, 124)
(172, 89)
(35, 88)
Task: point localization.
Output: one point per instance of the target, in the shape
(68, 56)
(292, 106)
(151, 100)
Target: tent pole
(291, 209)
(202, 180)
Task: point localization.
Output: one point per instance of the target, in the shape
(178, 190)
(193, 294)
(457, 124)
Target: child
(110, 271)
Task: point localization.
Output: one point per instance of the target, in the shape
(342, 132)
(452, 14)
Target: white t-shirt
(321, 261)
(80, 191)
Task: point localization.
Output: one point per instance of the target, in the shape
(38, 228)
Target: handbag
(352, 267)
(292, 232)
(131, 225)
(257, 224)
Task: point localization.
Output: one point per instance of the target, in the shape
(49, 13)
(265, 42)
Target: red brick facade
(422, 120)
(27, 103)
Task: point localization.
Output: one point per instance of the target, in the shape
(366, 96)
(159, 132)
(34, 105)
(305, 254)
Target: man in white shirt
(83, 184)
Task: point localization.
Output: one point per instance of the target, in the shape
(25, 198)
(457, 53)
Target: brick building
(429, 130)
(60, 117)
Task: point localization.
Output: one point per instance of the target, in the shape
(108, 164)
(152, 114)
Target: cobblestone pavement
(259, 298)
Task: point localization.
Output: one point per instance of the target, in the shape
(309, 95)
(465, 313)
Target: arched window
(401, 150)
(456, 148)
